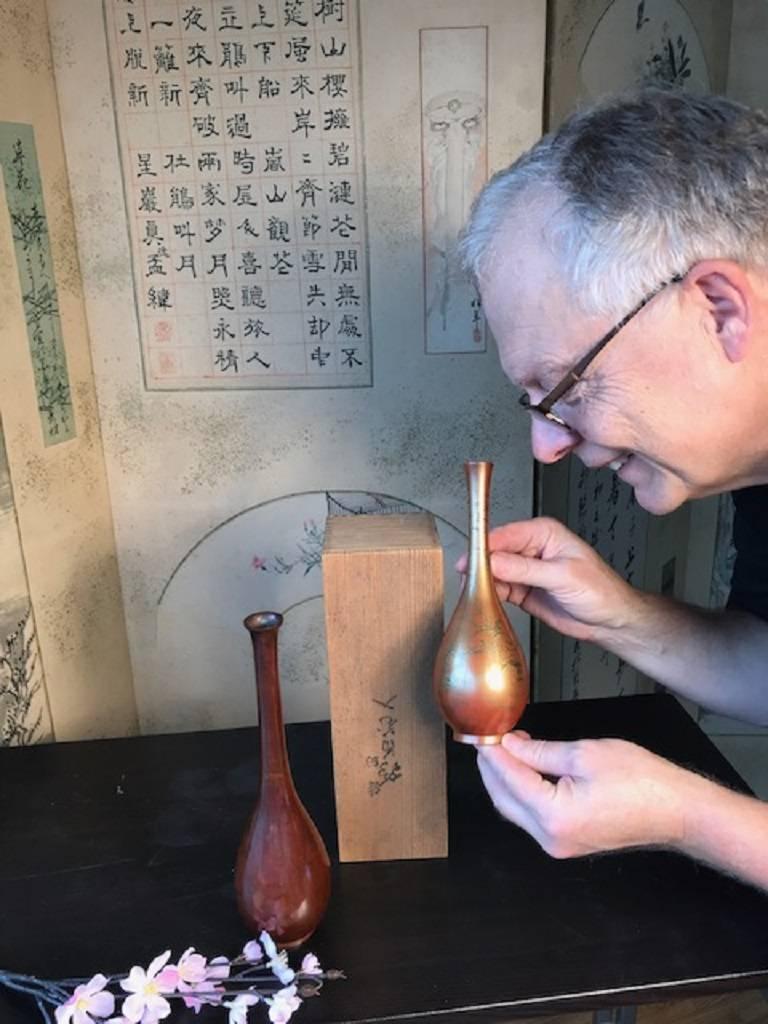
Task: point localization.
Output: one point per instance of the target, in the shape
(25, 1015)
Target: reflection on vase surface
(480, 678)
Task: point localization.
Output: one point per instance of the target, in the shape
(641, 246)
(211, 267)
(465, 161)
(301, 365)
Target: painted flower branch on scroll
(260, 976)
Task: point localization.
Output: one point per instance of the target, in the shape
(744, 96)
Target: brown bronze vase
(283, 875)
(480, 677)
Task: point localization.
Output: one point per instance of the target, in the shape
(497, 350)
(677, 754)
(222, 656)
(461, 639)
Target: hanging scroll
(20, 171)
(24, 709)
(454, 86)
(240, 144)
(603, 511)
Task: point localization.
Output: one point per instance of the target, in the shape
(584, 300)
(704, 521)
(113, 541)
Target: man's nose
(551, 442)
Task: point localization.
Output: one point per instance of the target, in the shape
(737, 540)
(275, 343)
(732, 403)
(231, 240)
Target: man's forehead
(531, 224)
(538, 331)
(520, 255)
(523, 290)
(523, 270)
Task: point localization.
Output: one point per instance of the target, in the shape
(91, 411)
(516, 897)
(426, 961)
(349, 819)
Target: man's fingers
(537, 537)
(501, 541)
(549, 757)
(522, 783)
(518, 569)
(528, 572)
(523, 733)
(502, 796)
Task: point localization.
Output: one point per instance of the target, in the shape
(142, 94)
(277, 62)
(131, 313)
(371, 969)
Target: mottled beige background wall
(60, 490)
(219, 497)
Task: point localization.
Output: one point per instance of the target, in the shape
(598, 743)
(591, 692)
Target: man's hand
(712, 657)
(543, 567)
(590, 795)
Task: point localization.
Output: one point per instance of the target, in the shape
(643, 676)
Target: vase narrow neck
(478, 492)
(274, 756)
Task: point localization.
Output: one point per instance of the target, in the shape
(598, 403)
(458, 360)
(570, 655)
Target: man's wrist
(717, 827)
(639, 632)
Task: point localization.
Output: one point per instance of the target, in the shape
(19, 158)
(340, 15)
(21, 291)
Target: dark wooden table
(114, 850)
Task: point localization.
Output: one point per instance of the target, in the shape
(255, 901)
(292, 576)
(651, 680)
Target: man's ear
(727, 294)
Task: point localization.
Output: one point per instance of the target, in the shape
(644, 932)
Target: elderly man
(641, 222)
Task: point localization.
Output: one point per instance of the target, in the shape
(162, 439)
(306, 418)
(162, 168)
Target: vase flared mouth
(258, 622)
(478, 469)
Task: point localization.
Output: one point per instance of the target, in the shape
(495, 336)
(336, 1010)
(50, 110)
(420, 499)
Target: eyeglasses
(544, 407)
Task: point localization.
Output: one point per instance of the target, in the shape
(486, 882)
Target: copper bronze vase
(283, 875)
(480, 678)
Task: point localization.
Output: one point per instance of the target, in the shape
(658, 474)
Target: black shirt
(749, 583)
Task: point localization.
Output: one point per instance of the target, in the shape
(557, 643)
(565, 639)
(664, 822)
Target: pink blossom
(238, 1008)
(191, 978)
(311, 965)
(283, 1004)
(205, 993)
(218, 968)
(146, 1004)
(184, 975)
(87, 1002)
(253, 952)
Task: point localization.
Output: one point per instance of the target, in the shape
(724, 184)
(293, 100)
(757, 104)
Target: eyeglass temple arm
(574, 376)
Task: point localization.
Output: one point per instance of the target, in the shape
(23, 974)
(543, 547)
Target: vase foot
(477, 741)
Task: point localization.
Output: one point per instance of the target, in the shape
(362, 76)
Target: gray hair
(648, 184)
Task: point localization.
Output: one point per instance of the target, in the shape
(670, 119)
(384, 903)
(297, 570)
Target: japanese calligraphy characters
(241, 153)
(604, 512)
(383, 762)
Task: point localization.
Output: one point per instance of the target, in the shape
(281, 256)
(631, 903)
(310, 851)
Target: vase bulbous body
(283, 875)
(481, 679)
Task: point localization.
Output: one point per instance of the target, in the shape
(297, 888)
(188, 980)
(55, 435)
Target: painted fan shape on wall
(265, 556)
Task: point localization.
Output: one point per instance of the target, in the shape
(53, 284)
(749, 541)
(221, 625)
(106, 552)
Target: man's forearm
(728, 831)
(718, 659)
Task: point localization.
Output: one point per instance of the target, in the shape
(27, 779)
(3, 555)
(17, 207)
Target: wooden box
(383, 586)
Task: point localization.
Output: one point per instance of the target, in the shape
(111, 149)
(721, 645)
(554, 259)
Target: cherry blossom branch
(265, 977)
